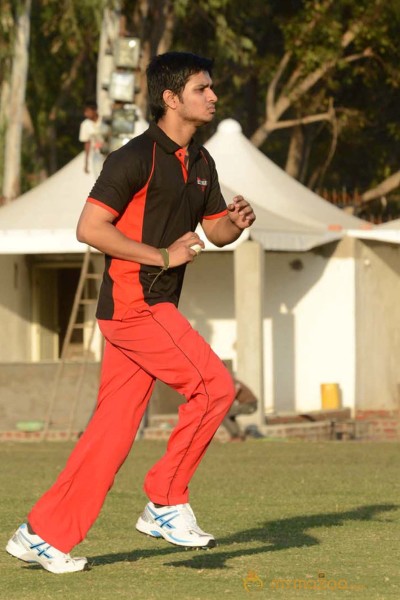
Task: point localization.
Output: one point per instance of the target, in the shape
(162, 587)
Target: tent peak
(229, 126)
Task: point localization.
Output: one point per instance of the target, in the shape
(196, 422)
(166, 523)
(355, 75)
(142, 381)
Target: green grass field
(292, 520)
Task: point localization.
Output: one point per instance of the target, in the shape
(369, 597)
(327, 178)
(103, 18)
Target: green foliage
(7, 25)
(62, 74)
(354, 44)
(241, 37)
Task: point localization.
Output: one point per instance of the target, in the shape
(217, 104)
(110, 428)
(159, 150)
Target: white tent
(44, 219)
(302, 321)
(387, 232)
(293, 335)
(289, 215)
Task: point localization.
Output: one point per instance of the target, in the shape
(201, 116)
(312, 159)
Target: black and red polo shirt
(156, 199)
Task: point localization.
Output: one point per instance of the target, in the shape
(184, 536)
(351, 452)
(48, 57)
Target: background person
(245, 403)
(91, 136)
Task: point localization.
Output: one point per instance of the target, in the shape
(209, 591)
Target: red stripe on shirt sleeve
(102, 205)
(216, 216)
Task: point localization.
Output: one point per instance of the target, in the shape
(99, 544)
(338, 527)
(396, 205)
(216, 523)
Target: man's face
(90, 113)
(196, 104)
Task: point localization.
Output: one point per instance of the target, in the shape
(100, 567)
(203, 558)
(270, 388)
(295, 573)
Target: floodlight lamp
(127, 52)
(122, 86)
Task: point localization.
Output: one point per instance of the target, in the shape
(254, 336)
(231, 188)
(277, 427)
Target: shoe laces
(189, 518)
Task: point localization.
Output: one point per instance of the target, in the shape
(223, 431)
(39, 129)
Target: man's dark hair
(91, 104)
(171, 71)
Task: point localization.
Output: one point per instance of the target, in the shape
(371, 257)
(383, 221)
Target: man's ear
(170, 99)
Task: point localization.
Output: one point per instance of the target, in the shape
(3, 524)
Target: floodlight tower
(118, 74)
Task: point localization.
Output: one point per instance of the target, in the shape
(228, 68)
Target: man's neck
(181, 134)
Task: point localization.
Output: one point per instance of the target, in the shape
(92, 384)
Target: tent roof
(44, 219)
(387, 232)
(274, 194)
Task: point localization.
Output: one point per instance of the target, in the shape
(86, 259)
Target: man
(91, 137)
(245, 403)
(142, 213)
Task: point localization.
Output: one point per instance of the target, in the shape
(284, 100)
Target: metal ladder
(82, 298)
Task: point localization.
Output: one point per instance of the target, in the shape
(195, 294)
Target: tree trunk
(386, 186)
(294, 159)
(296, 86)
(155, 21)
(4, 103)
(19, 72)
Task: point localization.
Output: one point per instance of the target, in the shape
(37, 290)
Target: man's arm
(228, 228)
(96, 228)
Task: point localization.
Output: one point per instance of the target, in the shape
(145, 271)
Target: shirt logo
(202, 183)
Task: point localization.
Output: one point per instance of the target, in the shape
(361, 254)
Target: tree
(314, 83)
(7, 30)
(313, 72)
(15, 90)
(305, 71)
(153, 21)
(62, 75)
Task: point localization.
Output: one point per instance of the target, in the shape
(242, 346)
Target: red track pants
(149, 343)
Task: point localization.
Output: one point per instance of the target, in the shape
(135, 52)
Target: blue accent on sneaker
(42, 551)
(165, 523)
(177, 539)
(163, 520)
(155, 533)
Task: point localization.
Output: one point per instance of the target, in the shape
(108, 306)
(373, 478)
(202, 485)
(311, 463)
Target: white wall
(208, 301)
(310, 331)
(309, 321)
(15, 309)
(309, 327)
(378, 326)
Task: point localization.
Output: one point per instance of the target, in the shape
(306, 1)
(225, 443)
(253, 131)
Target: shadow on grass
(273, 536)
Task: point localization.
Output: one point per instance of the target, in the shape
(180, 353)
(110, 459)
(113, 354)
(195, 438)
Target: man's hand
(240, 213)
(228, 228)
(180, 252)
(96, 228)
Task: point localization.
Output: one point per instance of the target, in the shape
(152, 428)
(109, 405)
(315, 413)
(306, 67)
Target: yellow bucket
(330, 396)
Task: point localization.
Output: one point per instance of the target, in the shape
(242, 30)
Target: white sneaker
(176, 524)
(31, 548)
